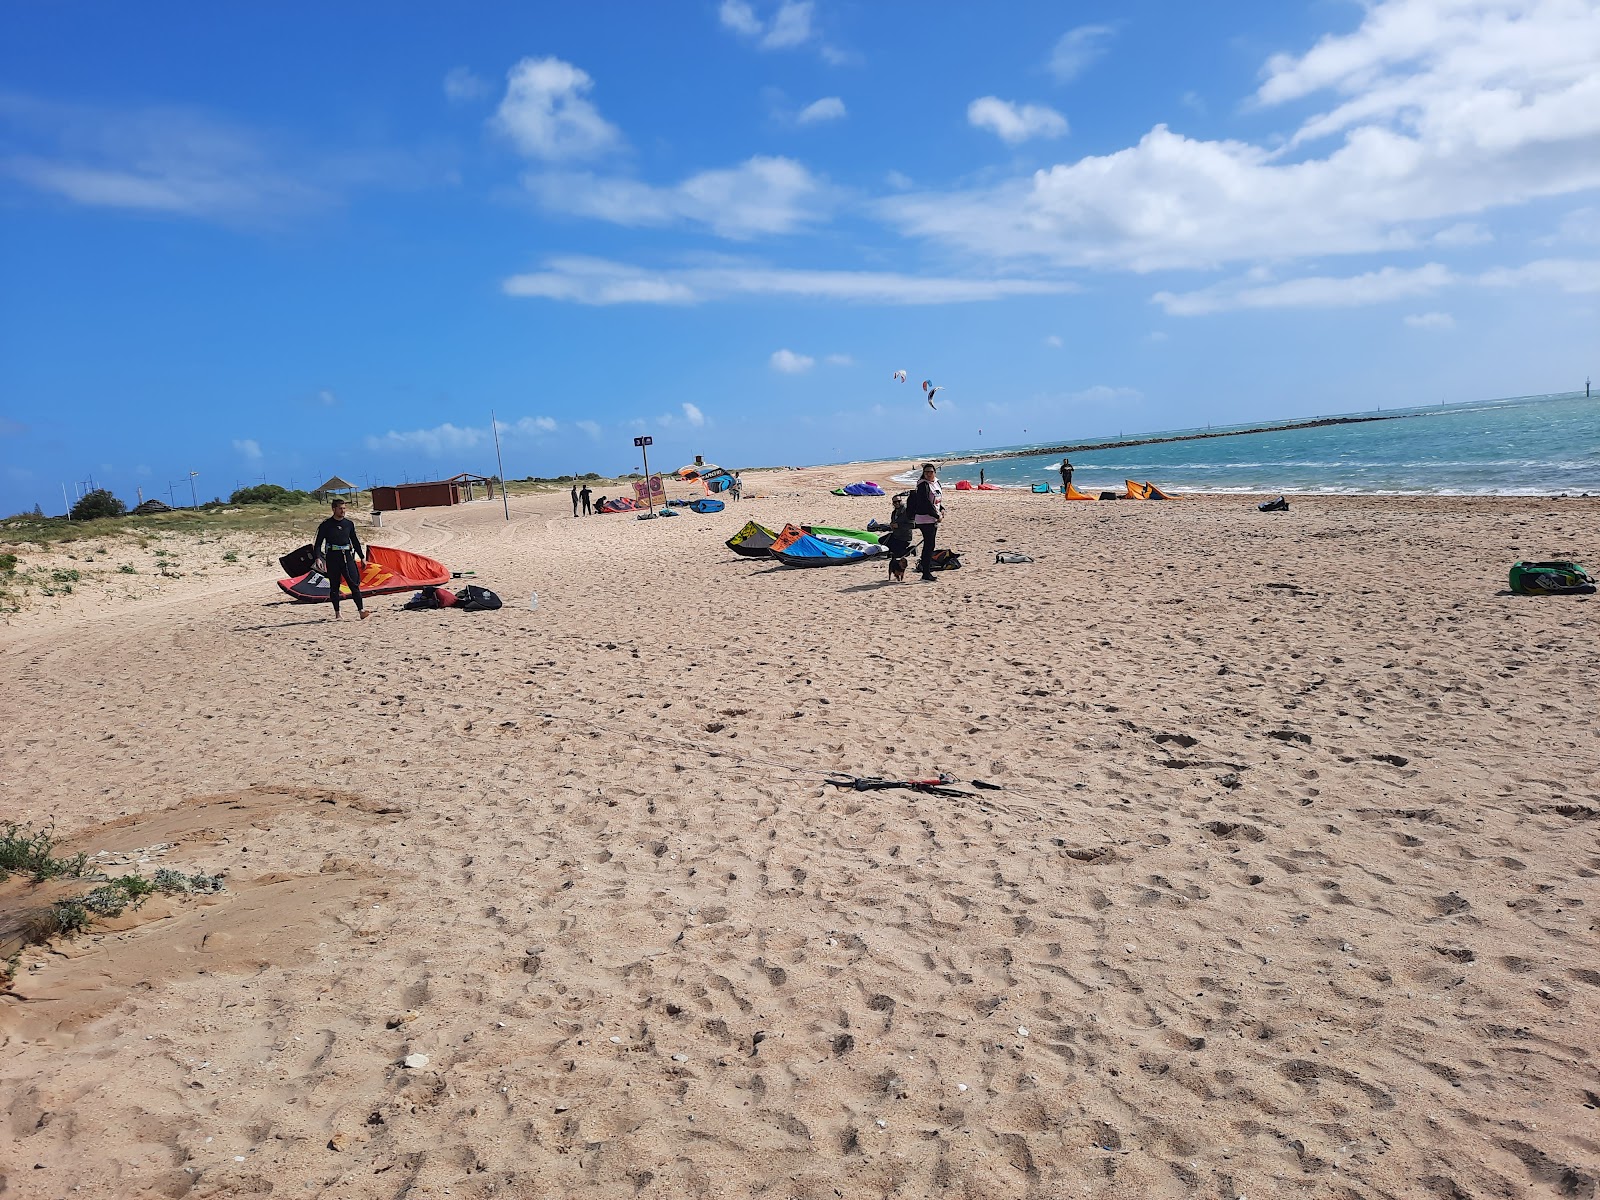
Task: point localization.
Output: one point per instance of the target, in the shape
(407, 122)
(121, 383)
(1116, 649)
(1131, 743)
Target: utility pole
(193, 495)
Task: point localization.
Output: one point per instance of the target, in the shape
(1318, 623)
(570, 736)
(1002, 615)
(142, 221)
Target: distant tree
(96, 504)
(266, 493)
(38, 512)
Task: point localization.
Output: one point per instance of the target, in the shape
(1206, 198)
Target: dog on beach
(897, 570)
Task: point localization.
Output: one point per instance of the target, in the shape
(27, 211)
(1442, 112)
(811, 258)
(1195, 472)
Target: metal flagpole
(505, 500)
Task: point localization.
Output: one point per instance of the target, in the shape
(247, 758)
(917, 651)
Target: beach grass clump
(30, 851)
(176, 883)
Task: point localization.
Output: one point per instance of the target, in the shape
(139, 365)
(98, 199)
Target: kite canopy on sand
(865, 488)
(753, 541)
(808, 551)
(386, 570)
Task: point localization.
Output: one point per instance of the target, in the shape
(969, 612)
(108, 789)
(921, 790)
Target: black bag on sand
(1278, 505)
(946, 560)
(473, 598)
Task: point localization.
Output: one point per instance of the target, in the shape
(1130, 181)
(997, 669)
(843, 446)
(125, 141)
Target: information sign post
(643, 443)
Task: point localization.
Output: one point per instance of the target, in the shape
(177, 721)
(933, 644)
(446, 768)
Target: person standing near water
(342, 553)
(1066, 475)
(926, 513)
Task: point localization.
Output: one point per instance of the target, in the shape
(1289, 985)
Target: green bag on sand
(1551, 579)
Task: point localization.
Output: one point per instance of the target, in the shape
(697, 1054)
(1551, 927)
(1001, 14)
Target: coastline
(1079, 447)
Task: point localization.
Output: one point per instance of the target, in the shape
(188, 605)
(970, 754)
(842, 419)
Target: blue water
(1527, 446)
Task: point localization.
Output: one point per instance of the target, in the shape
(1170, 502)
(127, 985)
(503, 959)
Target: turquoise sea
(1525, 446)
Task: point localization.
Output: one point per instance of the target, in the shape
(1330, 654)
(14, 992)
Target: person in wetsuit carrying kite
(343, 553)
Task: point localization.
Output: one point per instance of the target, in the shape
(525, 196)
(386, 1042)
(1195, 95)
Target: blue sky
(290, 240)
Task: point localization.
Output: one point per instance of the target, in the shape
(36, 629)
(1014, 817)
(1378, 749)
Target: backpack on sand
(473, 598)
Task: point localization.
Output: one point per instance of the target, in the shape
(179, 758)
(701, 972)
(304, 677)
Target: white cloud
(829, 108)
(1430, 320)
(1015, 122)
(1580, 226)
(1445, 109)
(1052, 341)
(1105, 394)
(158, 160)
(761, 195)
(528, 427)
(1375, 287)
(248, 447)
(592, 428)
(600, 282)
(1256, 290)
(1076, 49)
(740, 17)
(1463, 233)
(545, 113)
(839, 360)
(1566, 275)
(693, 415)
(440, 440)
(326, 398)
(462, 84)
(790, 25)
(791, 363)
(899, 180)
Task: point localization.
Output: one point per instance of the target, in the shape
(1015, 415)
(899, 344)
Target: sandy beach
(1284, 885)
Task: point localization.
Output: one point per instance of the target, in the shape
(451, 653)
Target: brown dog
(897, 570)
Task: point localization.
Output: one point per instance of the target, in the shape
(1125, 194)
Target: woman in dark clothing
(926, 513)
(342, 552)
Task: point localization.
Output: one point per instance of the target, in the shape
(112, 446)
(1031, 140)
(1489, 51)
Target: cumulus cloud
(1076, 49)
(790, 25)
(693, 415)
(791, 363)
(600, 281)
(1430, 320)
(1441, 111)
(1015, 123)
(528, 427)
(545, 112)
(762, 195)
(592, 428)
(1462, 233)
(462, 84)
(248, 447)
(829, 108)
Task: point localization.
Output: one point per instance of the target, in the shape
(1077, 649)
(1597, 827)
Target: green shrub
(65, 575)
(23, 848)
(127, 569)
(8, 563)
(231, 556)
(98, 504)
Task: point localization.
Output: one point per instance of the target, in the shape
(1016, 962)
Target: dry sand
(1289, 889)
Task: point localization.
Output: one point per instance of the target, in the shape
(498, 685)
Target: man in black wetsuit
(584, 496)
(574, 499)
(343, 552)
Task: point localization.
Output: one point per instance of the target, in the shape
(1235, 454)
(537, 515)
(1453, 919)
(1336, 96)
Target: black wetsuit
(574, 500)
(338, 543)
(585, 496)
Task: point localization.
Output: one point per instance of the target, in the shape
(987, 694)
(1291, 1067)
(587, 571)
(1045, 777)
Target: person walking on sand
(342, 553)
(1066, 475)
(584, 496)
(926, 513)
(738, 486)
(574, 498)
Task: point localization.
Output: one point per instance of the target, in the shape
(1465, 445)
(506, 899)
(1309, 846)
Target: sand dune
(1287, 888)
